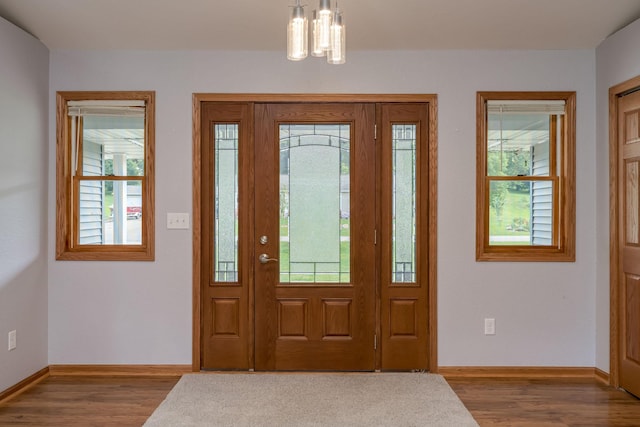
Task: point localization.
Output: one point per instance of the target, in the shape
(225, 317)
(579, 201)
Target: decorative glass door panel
(226, 203)
(314, 203)
(403, 266)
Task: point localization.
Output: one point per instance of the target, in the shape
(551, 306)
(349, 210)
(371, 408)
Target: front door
(315, 274)
(314, 247)
(629, 241)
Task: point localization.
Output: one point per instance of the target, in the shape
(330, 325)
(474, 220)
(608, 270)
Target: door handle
(264, 258)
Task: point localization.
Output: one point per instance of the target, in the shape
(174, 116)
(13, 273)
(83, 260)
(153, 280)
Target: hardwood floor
(87, 401)
(546, 403)
(128, 401)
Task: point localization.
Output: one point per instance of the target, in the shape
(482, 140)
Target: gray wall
(135, 312)
(547, 314)
(24, 74)
(618, 60)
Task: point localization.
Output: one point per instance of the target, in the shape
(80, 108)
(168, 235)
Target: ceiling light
(327, 33)
(297, 34)
(336, 53)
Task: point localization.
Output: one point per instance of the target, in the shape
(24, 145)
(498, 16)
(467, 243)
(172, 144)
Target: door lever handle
(264, 258)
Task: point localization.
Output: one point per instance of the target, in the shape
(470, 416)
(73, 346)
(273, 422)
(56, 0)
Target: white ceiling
(371, 24)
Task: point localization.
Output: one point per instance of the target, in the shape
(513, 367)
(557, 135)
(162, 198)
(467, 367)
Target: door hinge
(375, 342)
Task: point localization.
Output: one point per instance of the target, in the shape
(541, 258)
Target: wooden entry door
(347, 229)
(315, 204)
(629, 241)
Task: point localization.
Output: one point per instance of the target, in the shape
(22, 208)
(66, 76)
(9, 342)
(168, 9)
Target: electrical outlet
(12, 340)
(489, 326)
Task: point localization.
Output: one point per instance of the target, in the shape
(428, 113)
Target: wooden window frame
(564, 212)
(67, 247)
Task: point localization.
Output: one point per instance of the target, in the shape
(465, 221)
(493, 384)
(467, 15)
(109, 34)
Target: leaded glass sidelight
(226, 203)
(314, 203)
(403, 234)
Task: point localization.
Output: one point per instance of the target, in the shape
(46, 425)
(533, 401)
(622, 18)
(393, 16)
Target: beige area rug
(322, 399)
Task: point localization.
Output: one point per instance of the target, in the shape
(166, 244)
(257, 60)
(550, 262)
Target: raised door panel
(632, 318)
(225, 317)
(293, 319)
(337, 318)
(632, 207)
(631, 129)
(403, 319)
(630, 355)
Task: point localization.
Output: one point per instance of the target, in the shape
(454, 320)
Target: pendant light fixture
(324, 26)
(297, 34)
(316, 45)
(336, 53)
(327, 33)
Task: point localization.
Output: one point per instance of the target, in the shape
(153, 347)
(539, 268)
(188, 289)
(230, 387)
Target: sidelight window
(403, 227)
(226, 191)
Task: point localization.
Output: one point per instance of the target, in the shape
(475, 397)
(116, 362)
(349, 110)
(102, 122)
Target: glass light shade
(316, 49)
(337, 51)
(324, 25)
(297, 34)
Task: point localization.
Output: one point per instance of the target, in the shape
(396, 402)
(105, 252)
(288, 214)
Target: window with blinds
(105, 175)
(525, 175)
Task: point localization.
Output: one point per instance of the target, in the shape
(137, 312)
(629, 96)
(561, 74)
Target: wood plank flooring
(546, 403)
(128, 401)
(87, 401)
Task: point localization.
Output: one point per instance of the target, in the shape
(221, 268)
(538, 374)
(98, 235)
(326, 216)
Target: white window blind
(526, 107)
(132, 108)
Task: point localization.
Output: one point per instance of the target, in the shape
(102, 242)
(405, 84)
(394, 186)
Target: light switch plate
(12, 340)
(490, 326)
(177, 220)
